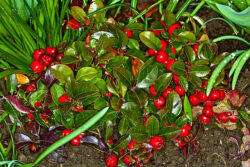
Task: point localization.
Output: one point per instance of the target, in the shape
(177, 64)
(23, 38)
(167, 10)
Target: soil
(215, 148)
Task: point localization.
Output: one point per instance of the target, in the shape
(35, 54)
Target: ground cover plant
(125, 83)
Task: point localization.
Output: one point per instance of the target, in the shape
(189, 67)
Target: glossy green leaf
(188, 35)
(84, 116)
(67, 120)
(178, 68)
(100, 103)
(132, 111)
(170, 132)
(62, 72)
(111, 86)
(123, 125)
(122, 143)
(146, 76)
(183, 83)
(174, 103)
(39, 119)
(78, 13)
(37, 96)
(69, 60)
(163, 82)
(139, 97)
(200, 71)
(189, 52)
(108, 130)
(138, 134)
(133, 44)
(150, 40)
(124, 75)
(86, 74)
(169, 18)
(152, 126)
(11, 83)
(181, 121)
(56, 91)
(188, 110)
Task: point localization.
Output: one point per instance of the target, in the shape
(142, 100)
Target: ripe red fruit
(31, 117)
(33, 147)
(152, 90)
(157, 32)
(111, 160)
(151, 52)
(184, 131)
(146, 120)
(187, 126)
(233, 118)
(172, 28)
(209, 103)
(166, 92)
(163, 45)
(179, 90)
(110, 94)
(196, 47)
(46, 60)
(169, 63)
(161, 56)
(165, 63)
(75, 142)
(203, 97)
(203, 119)
(65, 132)
(126, 159)
(176, 80)
(131, 145)
(159, 102)
(30, 88)
(157, 142)
(180, 143)
(111, 141)
(129, 33)
(215, 95)
(38, 53)
(104, 95)
(51, 50)
(116, 53)
(194, 100)
(222, 95)
(204, 84)
(80, 136)
(208, 111)
(173, 50)
(36, 66)
(64, 98)
(37, 104)
(223, 117)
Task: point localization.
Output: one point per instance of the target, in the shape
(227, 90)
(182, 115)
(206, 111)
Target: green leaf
(139, 97)
(174, 103)
(67, 120)
(200, 71)
(245, 115)
(132, 111)
(190, 53)
(171, 118)
(183, 83)
(150, 40)
(240, 18)
(178, 68)
(100, 103)
(124, 75)
(146, 76)
(56, 92)
(69, 60)
(39, 119)
(84, 116)
(8, 107)
(95, 5)
(170, 18)
(163, 82)
(181, 121)
(138, 134)
(133, 44)
(62, 72)
(188, 35)
(122, 143)
(170, 132)
(86, 74)
(11, 83)
(152, 126)
(37, 96)
(123, 125)
(116, 103)
(196, 81)
(78, 13)
(108, 130)
(188, 110)
(111, 86)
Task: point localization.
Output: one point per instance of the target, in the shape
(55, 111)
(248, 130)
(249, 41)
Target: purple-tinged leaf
(232, 139)
(17, 105)
(90, 140)
(57, 157)
(48, 138)
(33, 127)
(20, 140)
(102, 145)
(48, 79)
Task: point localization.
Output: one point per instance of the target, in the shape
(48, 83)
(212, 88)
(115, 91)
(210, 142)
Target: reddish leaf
(234, 97)
(74, 24)
(33, 127)
(77, 3)
(48, 79)
(20, 140)
(48, 138)
(136, 66)
(17, 105)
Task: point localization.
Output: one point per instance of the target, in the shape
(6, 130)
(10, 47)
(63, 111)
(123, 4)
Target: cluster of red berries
(43, 115)
(65, 98)
(44, 58)
(109, 94)
(76, 141)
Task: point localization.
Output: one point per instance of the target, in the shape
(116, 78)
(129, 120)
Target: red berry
(187, 126)
(173, 50)
(38, 53)
(163, 45)
(203, 97)
(151, 52)
(37, 104)
(157, 142)
(194, 100)
(111, 141)
(172, 28)
(104, 95)
(59, 57)
(204, 119)
(209, 103)
(78, 109)
(184, 131)
(215, 95)
(176, 80)
(116, 53)
(126, 159)
(31, 117)
(111, 160)
(166, 92)
(170, 62)
(75, 142)
(208, 111)
(30, 88)
(159, 102)
(161, 56)
(51, 50)
(131, 145)
(196, 47)
(66, 132)
(64, 98)
(46, 60)
(179, 90)
(222, 95)
(180, 143)
(80, 136)
(204, 84)
(223, 117)
(146, 120)
(157, 32)
(233, 118)
(33, 147)
(110, 94)
(36, 66)
(165, 63)
(129, 33)
(152, 90)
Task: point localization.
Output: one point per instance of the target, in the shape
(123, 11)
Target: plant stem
(182, 9)
(198, 7)
(231, 37)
